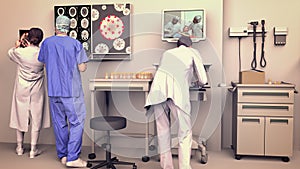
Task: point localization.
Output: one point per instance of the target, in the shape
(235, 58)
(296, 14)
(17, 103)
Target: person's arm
(13, 52)
(199, 69)
(82, 60)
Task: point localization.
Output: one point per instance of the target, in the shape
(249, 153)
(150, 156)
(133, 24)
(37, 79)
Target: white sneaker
(77, 163)
(63, 160)
(19, 151)
(34, 153)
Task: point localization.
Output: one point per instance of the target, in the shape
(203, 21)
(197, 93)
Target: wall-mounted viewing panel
(103, 29)
(80, 26)
(188, 22)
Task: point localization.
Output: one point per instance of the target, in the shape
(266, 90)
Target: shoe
(34, 153)
(19, 151)
(63, 160)
(77, 163)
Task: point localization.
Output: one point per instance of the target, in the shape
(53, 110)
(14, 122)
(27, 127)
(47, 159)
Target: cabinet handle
(265, 107)
(279, 94)
(285, 121)
(251, 120)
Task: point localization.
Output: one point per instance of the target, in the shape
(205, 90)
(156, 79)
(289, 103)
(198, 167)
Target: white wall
(282, 61)
(147, 47)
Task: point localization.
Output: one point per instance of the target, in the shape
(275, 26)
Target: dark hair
(35, 36)
(184, 40)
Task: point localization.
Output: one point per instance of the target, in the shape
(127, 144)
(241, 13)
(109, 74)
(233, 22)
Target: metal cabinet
(263, 120)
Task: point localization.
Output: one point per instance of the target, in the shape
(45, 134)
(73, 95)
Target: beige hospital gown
(29, 95)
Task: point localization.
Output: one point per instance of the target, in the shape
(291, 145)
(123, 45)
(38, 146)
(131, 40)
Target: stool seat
(108, 123)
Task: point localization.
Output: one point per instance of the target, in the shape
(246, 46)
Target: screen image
(188, 22)
(111, 31)
(80, 27)
(103, 29)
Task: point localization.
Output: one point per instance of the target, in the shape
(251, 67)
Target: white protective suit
(170, 92)
(171, 29)
(197, 30)
(29, 91)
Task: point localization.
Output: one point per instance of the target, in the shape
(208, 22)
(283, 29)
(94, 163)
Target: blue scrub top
(61, 55)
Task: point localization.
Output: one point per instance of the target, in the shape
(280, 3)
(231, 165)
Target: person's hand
(197, 84)
(82, 67)
(23, 42)
(167, 30)
(18, 43)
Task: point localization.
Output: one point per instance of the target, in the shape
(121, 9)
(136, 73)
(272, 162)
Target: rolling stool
(108, 123)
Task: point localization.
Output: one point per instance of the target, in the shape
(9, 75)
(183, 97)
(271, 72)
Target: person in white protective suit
(170, 93)
(197, 27)
(172, 27)
(28, 103)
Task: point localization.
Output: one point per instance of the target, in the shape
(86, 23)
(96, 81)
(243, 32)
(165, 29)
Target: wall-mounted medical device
(280, 34)
(238, 32)
(254, 29)
(245, 31)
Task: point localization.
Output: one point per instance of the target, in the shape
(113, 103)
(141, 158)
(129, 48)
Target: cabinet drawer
(266, 95)
(265, 109)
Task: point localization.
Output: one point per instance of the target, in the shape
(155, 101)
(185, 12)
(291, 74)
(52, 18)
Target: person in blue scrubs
(64, 58)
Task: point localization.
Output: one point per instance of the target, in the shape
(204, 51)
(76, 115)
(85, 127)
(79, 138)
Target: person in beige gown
(28, 100)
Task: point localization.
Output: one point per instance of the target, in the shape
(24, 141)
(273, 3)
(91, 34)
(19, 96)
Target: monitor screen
(178, 22)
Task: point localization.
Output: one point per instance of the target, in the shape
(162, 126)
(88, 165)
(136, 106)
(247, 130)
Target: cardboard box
(252, 77)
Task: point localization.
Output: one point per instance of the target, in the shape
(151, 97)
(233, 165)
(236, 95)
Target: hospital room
(166, 84)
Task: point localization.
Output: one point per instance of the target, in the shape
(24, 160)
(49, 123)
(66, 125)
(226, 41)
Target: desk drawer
(253, 109)
(265, 95)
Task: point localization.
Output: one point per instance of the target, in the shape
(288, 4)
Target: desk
(109, 85)
(127, 85)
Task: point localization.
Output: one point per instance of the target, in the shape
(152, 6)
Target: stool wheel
(92, 156)
(145, 158)
(89, 165)
(152, 147)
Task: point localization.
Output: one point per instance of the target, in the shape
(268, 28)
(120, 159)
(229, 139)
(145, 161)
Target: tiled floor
(216, 160)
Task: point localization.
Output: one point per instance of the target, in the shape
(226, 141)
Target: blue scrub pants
(68, 115)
